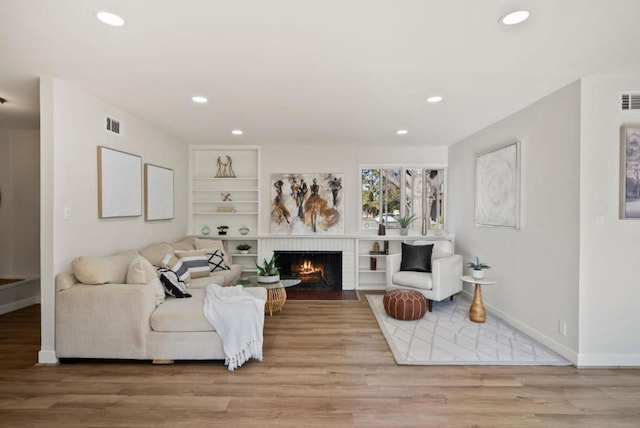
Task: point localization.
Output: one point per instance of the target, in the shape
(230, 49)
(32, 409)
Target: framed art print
(498, 187)
(629, 171)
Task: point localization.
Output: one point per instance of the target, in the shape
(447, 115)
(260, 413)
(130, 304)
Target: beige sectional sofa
(104, 310)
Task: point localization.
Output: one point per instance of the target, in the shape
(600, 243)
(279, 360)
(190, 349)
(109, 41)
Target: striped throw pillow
(196, 262)
(172, 263)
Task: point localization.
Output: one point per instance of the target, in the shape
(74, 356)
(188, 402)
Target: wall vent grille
(113, 125)
(630, 101)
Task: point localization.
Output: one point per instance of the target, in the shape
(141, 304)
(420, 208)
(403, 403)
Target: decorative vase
(243, 230)
(478, 274)
(268, 279)
(222, 232)
(206, 230)
(404, 231)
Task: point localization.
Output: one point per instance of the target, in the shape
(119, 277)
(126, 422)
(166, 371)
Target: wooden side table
(477, 312)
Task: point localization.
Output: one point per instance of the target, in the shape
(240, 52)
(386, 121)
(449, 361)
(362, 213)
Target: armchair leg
(430, 302)
(451, 298)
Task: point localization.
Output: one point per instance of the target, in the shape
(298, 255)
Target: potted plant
(478, 267)
(243, 248)
(268, 272)
(405, 221)
(222, 230)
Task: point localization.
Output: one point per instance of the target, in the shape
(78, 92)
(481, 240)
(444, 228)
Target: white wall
(536, 267)
(609, 273)
(345, 159)
(73, 125)
(20, 208)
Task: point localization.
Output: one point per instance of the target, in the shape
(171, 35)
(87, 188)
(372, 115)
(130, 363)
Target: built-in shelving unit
(232, 201)
(225, 185)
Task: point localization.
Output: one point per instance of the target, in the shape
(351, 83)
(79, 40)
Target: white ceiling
(312, 72)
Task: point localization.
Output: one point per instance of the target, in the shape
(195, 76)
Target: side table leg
(477, 313)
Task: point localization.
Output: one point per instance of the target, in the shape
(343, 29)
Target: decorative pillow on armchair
(416, 258)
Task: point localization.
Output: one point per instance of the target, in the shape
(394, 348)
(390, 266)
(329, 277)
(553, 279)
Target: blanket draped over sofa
(238, 317)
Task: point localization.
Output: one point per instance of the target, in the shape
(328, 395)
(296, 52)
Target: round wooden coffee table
(477, 312)
(276, 291)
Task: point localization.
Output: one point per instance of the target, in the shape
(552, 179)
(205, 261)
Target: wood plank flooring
(326, 364)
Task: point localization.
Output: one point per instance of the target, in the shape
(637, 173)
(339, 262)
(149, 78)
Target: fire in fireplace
(317, 270)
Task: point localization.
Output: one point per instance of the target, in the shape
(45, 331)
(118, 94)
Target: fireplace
(318, 270)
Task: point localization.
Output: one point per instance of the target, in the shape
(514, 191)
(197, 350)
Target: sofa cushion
(186, 315)
(156, 252)
(210, 245)
(142, 272)
(103, 270)
(180, 315)
(416, 258)
(412, 279)
(197, 262)
(175, 265)
(186, 244)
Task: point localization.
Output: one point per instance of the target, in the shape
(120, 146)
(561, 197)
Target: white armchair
(443, 281)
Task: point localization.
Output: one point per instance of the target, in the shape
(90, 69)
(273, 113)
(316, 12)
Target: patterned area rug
(446, 336)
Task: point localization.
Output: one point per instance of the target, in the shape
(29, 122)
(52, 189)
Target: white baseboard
(47, 358)
(608, 360)
(14, 306)
(550, 343)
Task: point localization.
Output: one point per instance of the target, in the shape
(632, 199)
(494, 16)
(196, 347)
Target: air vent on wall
(630, 101)
(113, 125)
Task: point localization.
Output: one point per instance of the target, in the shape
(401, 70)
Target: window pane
(370, 198)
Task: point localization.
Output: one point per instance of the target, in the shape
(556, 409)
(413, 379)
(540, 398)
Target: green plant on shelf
(243, 247)
(406, 220)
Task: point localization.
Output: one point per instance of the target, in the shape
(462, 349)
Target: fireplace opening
(317, 270)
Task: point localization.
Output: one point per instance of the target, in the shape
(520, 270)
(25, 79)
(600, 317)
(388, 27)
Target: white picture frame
(119, 184)
(497, 187)
(158, 193)
(629, 172)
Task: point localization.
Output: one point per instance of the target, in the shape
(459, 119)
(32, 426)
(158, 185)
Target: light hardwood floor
(326, 364)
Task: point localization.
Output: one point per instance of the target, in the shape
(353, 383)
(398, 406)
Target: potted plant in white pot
(405, 221)
(268, 272)
(478, 268)
(243, 248)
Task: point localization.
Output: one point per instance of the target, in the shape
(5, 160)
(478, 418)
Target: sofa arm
(446, 276)
(393, 265)
(104, 321)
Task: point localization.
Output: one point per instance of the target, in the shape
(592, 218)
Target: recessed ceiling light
(515, 17)
(198, 99)
(110, 19)
(402, 132)
(434, 99)
(237, 132)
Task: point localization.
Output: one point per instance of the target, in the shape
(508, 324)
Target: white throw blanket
(238, 317)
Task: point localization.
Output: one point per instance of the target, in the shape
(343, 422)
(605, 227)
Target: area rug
(446, 336)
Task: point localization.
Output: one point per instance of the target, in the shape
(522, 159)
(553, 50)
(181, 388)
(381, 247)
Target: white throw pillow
(142, 272)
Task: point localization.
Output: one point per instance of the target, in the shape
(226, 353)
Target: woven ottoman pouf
(405, 305)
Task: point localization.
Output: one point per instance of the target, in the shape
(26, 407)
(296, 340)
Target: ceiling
(312, 72)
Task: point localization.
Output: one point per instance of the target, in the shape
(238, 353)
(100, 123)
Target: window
(391, 192)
